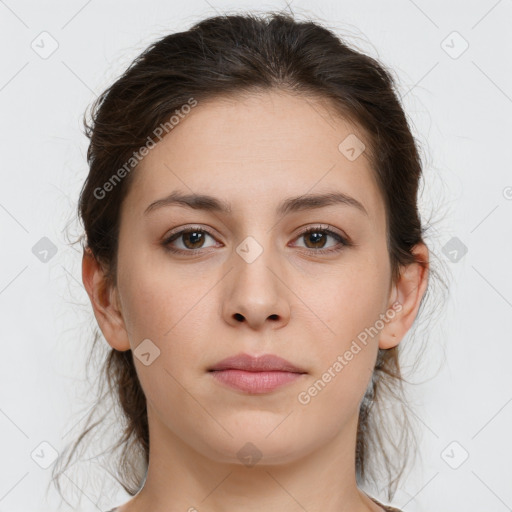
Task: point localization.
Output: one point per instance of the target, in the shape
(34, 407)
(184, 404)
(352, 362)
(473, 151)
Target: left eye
(317, 238)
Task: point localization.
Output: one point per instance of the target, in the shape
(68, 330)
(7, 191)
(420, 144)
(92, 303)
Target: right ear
(105, 302)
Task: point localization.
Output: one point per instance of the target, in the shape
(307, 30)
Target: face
(248, 279)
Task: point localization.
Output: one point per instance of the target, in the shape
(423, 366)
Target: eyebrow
(292, 204)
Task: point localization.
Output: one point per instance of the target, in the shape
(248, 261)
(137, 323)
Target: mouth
(256, 375)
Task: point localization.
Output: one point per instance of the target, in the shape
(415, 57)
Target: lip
(255, 375)
(263, 363)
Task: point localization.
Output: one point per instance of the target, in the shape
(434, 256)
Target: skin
(253, 152)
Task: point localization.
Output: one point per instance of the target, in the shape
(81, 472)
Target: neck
(182, 477)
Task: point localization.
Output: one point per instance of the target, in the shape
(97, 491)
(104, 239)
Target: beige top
(385, 507)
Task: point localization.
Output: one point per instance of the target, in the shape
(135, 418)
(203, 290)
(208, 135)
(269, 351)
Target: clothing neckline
(387, 508)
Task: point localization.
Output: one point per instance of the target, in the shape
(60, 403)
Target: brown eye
(191, 239)
(316, 239)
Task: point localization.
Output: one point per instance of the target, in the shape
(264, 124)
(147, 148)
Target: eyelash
(315, 229)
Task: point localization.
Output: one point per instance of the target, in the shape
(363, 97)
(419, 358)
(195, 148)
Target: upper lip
(263, 363)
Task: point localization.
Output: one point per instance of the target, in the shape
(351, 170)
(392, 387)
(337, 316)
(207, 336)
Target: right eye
(192, 240)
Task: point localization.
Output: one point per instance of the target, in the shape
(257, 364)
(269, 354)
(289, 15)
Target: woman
(254, 256)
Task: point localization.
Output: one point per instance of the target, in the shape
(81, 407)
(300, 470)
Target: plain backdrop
(452, 62)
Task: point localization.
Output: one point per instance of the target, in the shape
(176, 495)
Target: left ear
(406, 298)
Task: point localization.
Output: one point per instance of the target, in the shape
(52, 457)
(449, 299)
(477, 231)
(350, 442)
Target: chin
(250, 447)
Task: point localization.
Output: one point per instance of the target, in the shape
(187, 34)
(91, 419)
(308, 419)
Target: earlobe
(104, 302)
(407, 294)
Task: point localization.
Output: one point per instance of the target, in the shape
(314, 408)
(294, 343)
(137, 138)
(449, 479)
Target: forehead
(255, 149)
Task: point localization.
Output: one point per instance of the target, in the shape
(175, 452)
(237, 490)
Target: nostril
(239, 317)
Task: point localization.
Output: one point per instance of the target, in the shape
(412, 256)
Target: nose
(256, 292)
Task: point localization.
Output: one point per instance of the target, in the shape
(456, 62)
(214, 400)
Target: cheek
(351, 307)
(168, 312)
(352, 302)
(333, 398)
(173, 312)
(157, 301)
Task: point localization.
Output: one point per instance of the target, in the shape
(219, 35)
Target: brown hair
(227, 55)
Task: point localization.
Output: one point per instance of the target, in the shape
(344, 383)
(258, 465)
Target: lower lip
(255, 382)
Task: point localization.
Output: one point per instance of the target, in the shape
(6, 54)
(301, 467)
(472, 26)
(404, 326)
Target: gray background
(460, 103)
